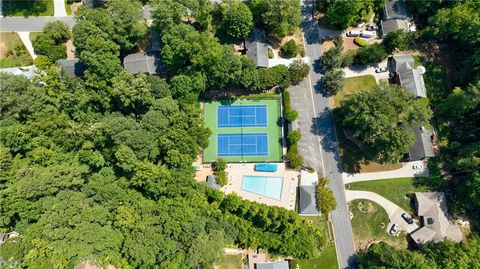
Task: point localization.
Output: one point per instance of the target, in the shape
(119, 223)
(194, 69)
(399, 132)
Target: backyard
(12, 51)
(397, 190)
(229, 262)
(369, 224)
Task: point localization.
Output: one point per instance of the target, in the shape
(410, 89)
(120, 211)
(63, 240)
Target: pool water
(270, 187)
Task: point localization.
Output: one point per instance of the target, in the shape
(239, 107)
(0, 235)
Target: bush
(294, 159)
(334, 80)
(370, 54)
(293, 137)
(348, 58)
(290, 49)
(45, 45)
(332, 58)
(325, 200)
(219, 167)
(297, 71)
(359, 41)
(290, 114)
(221, 178)
(270, 54)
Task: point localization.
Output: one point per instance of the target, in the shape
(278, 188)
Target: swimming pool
(270, 187)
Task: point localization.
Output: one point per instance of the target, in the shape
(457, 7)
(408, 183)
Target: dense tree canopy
(238, 21)
(382, 120)
(348, 13)
(279, 17)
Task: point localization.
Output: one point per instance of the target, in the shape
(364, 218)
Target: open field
(397, 190)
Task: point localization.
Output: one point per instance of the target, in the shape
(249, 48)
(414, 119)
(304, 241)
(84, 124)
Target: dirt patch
(297, 37)
(70, 50)
(375, 167)
(327, 45)
(202, 170)
(348, 43)
(75, 6)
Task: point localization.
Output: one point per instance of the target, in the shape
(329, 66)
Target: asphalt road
(324, 129)
(30, 24)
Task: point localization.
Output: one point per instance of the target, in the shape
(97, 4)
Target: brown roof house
(432, 208)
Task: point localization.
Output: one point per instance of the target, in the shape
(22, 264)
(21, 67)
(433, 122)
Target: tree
(334, 80)
(295, 160)
(167, 14)
(382, 119)
(290, 49)
(395, 40)
(238, 20)
(278, 17)
(58, 31)
(51, 42)
(325, 200)
(297, 71)
(293, 137)
(219, 167)
(348, 13)
(332, 58)
(370, 54)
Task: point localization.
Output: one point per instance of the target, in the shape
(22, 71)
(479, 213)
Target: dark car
(407, 218)
(394, 229)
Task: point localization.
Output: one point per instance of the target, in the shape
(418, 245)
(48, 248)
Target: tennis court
(242, 116)
(246, 144)
(243, 130)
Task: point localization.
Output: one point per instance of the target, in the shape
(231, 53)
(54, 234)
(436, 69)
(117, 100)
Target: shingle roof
(432, 207)
(411, 79)
(423, 147)
(395, 9)
(144, 62)
(307, 201)
(26, 71)
(392, 25)
(74, 68)
(257, 48)
(272, 265)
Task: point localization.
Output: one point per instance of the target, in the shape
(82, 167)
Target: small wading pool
(270, 187)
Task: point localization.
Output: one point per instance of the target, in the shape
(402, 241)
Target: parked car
(417, 166)
(353, 33)
(394, 229)
(367, 34)
(380, 69)
(360, 25)
(372, 27)
(407, 218)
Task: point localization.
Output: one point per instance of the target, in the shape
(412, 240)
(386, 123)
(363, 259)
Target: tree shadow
(25, 8)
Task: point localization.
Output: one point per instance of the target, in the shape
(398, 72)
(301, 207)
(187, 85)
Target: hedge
(290, 114)
(360, 42)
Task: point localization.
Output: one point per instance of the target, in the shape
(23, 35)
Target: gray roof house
(388, 26)
(395, 17)
(74, 68)
(307, 201)
(272, 265)
(257, 48)
(145, 62)
(432, 208)
(423, 147)
(25, 71)
(410, 78)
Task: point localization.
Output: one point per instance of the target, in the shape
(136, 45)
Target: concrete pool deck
(236, 171)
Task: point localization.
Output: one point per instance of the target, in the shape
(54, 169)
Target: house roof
(423, 147)
(307, 201)
(212, 182)
(254, 258)
(432, 207)
(144, 62)
(272, 265)
(257, 48)
(26, 71)
(395, 9)
(392, 25)
(74, 68)
(411, 79)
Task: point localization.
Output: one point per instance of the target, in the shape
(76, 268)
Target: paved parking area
(356, 71)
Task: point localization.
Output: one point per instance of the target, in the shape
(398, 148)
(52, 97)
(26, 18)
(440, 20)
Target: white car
(394, 229)
(380, 69)
(353, 33)
(417, 166)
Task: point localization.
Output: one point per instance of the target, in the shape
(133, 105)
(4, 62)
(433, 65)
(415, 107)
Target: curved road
(321, 136)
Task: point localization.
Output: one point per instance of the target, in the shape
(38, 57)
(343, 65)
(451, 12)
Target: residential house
(436, 226)
(74, 68)
(411, 80)
(25, 71)
(307, 194)
(395, 17)
(145, 62)
(257, 48)
(260, 261)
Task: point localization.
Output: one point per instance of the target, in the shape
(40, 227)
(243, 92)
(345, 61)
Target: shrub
(332, 58)
(297, 71)
(290, 49)
(348, 58)
(325, 200)
(294, 159)
(334, 80)
(293, 137)
(370, 54)
(359, 41)
(290, 114)
(219, 167)
(45, 45)
(221, 178)
(270, 54)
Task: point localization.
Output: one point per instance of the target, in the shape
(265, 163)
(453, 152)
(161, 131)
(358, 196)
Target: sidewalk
(406, 171)
(25, 37)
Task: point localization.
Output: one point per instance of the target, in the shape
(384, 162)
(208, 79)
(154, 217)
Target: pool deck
(236, 171)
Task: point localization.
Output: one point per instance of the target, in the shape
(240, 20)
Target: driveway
(360, 70)
(59, 8)
(405, 171)
(394, 212)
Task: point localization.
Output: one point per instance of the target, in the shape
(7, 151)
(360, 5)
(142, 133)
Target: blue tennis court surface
(245, 144)
(242, 116)
(267, 186)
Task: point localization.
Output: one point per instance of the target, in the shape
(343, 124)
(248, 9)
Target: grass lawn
(68, 8)
(326, 260)
(319, 222)
(230, 262)
(12, 51)
(28, 8)
(369, 223)
(354, 85)
(396, 190)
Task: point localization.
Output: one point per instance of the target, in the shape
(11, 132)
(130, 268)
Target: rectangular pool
(270, 187)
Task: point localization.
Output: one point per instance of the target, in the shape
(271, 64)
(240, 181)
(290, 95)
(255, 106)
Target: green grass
(319, 222)
(230, 262)
(273, 129)
(435, 81)
(13, 53)
(354, 85)
(28, 8)
(397, 190)
(326, 260)
(68, 8)
(370, 224)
